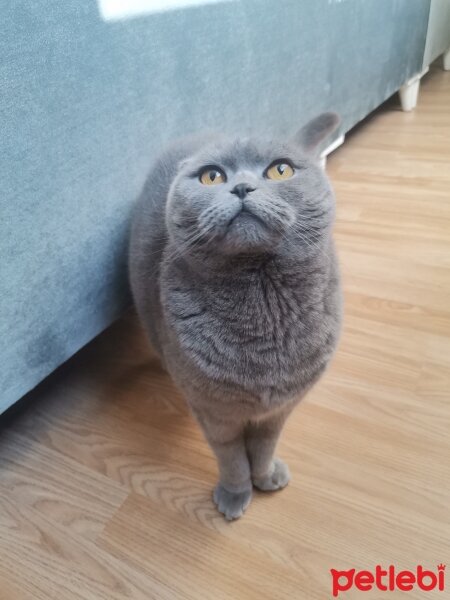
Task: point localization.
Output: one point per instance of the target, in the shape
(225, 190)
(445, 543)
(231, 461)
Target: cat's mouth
(247, 232)
(244, 217)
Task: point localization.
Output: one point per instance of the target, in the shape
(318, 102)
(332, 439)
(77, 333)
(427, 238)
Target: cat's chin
(247, 234)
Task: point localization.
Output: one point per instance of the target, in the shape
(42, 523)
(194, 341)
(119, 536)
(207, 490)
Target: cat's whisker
(310, 240)
(191, 243)
(312, 233)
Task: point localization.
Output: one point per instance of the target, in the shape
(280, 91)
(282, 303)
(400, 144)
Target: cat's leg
(261, 437)
(233, 493)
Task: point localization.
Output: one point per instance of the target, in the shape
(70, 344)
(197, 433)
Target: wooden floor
(105, 480)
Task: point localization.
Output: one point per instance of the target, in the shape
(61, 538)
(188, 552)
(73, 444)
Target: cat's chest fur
(265, 331)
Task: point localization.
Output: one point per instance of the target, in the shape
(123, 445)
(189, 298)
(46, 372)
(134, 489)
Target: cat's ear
(318, 129)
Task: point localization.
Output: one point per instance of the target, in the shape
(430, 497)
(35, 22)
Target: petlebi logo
(388, 580)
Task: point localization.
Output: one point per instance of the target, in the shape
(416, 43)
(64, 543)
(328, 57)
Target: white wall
(438, 36)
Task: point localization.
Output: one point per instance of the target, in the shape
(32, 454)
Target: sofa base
(329, 149)
(409, 92)
(446, 60)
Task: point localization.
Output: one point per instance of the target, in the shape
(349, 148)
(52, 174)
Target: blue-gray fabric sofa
(90, 93)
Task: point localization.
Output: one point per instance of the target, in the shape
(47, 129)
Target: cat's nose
(242, 189)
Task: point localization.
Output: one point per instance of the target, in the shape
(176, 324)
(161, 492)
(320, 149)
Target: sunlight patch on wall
(114, 10)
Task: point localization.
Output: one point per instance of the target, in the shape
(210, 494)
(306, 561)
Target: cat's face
(247, 197)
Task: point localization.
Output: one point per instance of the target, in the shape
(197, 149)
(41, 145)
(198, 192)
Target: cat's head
(249, 197)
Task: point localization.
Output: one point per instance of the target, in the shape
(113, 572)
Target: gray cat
(235, 278)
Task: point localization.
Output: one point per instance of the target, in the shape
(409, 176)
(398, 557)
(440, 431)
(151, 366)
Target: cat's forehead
(243, 153)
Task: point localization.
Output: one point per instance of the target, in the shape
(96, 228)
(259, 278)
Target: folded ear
(314, 132)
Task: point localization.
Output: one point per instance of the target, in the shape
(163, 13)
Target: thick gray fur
(239, 296)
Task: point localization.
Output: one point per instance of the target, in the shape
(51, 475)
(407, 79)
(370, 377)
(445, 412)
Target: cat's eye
(279, 170)
(212, 176)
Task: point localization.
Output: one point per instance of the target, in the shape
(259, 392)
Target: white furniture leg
(329, 149)
(409, 92)
(446, 60)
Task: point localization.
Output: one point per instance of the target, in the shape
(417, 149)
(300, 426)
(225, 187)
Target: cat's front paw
(231, 504)
(276, 479)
